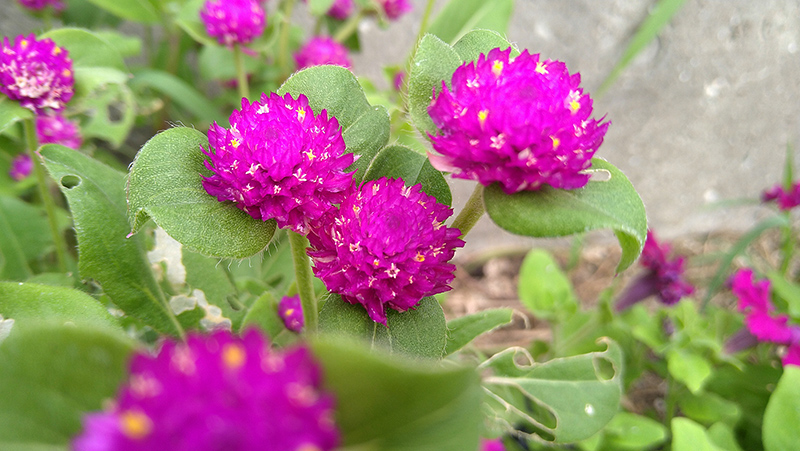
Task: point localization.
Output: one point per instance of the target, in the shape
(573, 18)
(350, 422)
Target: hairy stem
(302, 271)
(471, 213)
(349, 27)
(241, 74)
(283, 40)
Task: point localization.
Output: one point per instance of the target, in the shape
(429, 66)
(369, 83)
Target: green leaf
(96, 197)
(478, 42)
(562, 400)
(723, 436)
(209, 275)
(11, 113)
(189, 20)
(103, 106)
(30, 302)
(460, 16)
(143, 11)
(543, 288)
(183, 94)
(648, 30)
(87, 49)
(165, 184)
(689, 368)
(708, 408)
(263, 314)
(690, 436)
(388, 404)
(24, 236)
(419, 332)
(633, 432)
(550, 212)
(366, 137)
(402, 162)
(217, 62)
(461, 331)
(783, 413)
(319, 7)
(127, 46)
(50, 375)
(787, 291)
(434, 63)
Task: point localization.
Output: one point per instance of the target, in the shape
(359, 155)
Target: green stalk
(241, 74)
(302, 271)
(349, 27)
(471, 212)
(283, 41)
(788, 243)
(44, 193)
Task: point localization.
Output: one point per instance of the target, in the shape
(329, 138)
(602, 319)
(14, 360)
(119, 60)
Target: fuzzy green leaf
(544, 289)
(783, 412)
(143, 11)
(461, 331)
(87, 49)
(24, 236)
(476, 42)
(434, 63)
(460, 16)
(402, 162)
(11, 113)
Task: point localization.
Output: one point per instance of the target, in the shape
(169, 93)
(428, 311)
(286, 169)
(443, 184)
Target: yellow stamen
(301, 114)
(419, 257)
(574, 106)
(56, 50)
(66, 72)
(289, 311)
(556, 142)
(135, 425)
(24, 43)
(235, 143)
(233, 356)
(482, 115)
(497, 68)
(540, 68)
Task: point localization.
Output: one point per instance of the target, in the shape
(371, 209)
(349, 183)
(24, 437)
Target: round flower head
(279, 160)
(290, 310)
(38, 5)
(387, 245)
(38, 74)
(233, 21)
(521, 122)
(56, 129)
(217, 392)
(341, 9)
(395, 8)
(322, 50)
(786, 199)
(21, 167)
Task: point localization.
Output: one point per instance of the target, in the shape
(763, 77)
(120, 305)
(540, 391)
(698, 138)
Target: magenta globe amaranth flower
(233, 21)
(386, 246)
(521, 122)
(38, 5)
(56, 129)
(279, 160)
(785, 198)
(21, 167)
(290, 309)
(322, 50)
(217, 392)
(341, 9)
(37, 74)
(395, 8)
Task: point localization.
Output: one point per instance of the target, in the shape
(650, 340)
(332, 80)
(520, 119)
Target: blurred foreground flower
(217, 392)
(38, 74)
(38, 5)
(519, 121)
(56, 129)
(279, 160)
(290, 309)
(322, 50)
(387, 245)
(786, 199)
(21, 167)
(664, 277)
(492, 445)
(233, 21)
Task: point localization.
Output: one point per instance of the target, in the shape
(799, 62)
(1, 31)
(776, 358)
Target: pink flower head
(21, 166)
(322, 50)
(38, 5)
(233, 21)
(387, 245)
(395, 8)
(521, 122)
(291, 312)
(492, 445)
(753, 295)
(786, 199)
(36, 73)
(279, 160)
(792, 356)
(56, 129)
(341, 9)
(664, 277)
(217, 392)
(772, 328)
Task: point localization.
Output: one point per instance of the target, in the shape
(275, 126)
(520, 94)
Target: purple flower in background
(56, 129)
(217, 392)
(752, 295)
(395, 8)
(21, 166)
(291, 312)
(492, 445)
(792, 356)
(38, 74)
(279, 160)
(399, 79)
(233, 21)
(322, 50)
(386, 246)
(38, 5)
(664, 277)
(786, 199)
(341, 9)
(521, 122)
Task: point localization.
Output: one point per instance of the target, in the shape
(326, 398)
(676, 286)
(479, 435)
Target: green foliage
(143, 11)
(181, 92)
(413, 168)
(627, 431)
(165, 184)
(783, 413)
(31, 303)
(11, 113)
(87, 49)
(461, 331)
(458, 17)
(688, 367)
(24, 237)
(544, 289)
(690, 436)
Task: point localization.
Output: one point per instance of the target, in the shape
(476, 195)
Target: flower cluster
(395, 8)
(664, 277)
(233, 21)
(21, 167)
(521, 122)
(322, 50)
(38, 5)
(290, 310)
(786, 199)
(213, 393)
(56, 129)
(38, 74)
(386, 246)
(761, 320)
(279, 160)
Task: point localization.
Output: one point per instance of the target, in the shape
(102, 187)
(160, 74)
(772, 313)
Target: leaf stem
(349, 27)
(302, 271)
(283, 40)
(241, 74)
(788, 243)
(44, 193)
(471, 212)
